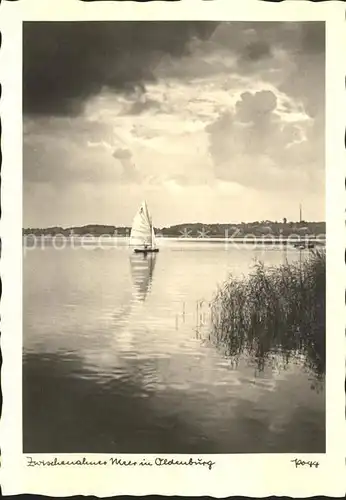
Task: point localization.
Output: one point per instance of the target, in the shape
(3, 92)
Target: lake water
(117, 358)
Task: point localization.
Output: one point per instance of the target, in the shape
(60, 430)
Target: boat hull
(147, 250)
(303, 246)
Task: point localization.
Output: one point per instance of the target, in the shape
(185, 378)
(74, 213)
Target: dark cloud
(254, 147)
(306, 80)
(304, 46)
(254, 41)
(295, 37)
(67, 62)
(313, 37)
(122, 154)
(129, 171)
(257, 50)
(255, 107)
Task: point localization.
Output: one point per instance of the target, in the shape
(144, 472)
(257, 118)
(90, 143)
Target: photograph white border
(251, 475)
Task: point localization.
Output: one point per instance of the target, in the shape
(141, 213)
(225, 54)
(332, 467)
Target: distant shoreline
(199, 231)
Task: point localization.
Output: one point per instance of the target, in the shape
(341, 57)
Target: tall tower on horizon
(300, 212)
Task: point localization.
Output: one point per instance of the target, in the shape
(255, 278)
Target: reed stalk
(274, 310)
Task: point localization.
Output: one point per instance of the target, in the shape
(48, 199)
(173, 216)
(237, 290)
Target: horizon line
(267, 221)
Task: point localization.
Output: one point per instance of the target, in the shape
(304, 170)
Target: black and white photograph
(174, 262)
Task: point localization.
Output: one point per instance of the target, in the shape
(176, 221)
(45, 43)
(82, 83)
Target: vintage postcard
(172, 228)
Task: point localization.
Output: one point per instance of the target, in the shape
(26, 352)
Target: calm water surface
(117, 358)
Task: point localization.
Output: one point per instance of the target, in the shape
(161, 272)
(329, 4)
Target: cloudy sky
(209, 122)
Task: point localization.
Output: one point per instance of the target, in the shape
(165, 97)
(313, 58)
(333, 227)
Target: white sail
(142, 232)
(153, 239)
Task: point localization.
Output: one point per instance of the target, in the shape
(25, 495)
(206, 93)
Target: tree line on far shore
(257, 228)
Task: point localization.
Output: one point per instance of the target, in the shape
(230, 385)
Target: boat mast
(150, 223)
(151, 232)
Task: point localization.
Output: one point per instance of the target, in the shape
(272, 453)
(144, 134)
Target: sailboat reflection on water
(142, 236)
(142, 270)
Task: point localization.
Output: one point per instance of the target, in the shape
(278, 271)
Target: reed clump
(275, 310)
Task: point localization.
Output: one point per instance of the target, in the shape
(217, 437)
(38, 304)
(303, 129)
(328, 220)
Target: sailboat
(142, 235)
